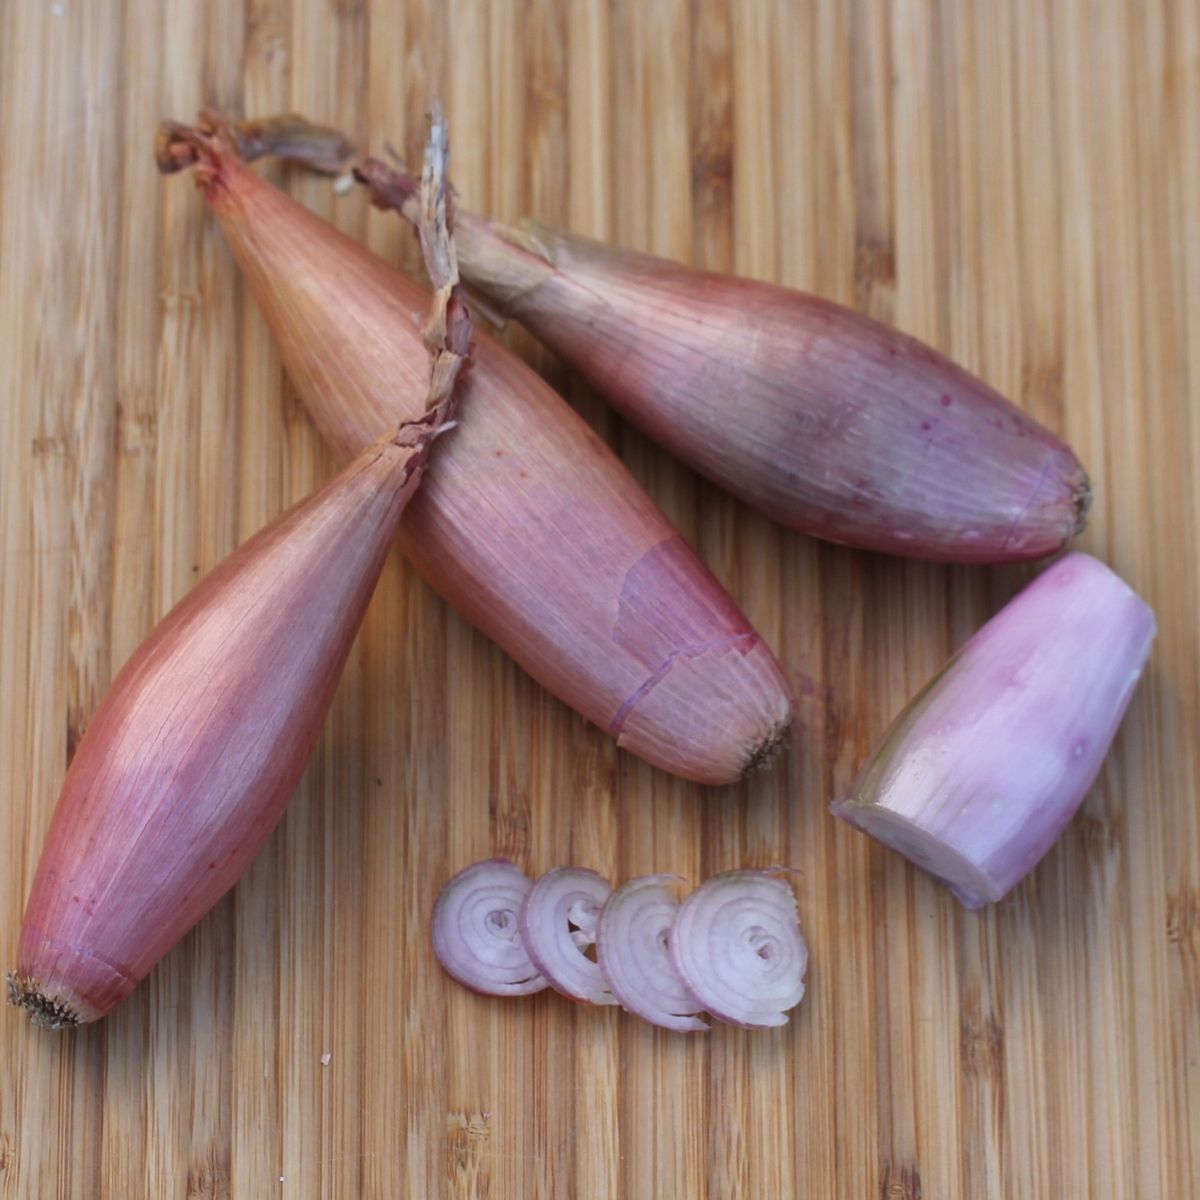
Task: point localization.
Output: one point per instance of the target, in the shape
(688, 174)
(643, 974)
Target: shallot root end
(768, 750)
(43, 1011)
(1083, 504)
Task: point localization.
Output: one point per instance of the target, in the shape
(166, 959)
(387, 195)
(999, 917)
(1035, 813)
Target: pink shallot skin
(978, 776)
(829, 422)
(531, 527)
(196, 748)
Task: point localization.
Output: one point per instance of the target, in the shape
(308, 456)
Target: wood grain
(1017, 183)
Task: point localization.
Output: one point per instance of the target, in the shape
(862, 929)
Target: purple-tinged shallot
(830, 422)
(196, 748)
(737, 945)
(559, 920)
(633, 950)
(733, 948)
(532, 528)
(477, 933)
(979, 775)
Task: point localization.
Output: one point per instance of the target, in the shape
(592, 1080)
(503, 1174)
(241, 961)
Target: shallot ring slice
(476, 934)
(558, 923)
(632, 950)
(737, 945)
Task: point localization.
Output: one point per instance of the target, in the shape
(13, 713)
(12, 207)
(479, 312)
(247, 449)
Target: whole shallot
(532, 527)
(196, 748)
(830, 422)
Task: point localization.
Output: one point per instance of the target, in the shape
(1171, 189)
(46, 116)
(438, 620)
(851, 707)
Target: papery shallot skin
(979, 775)
(190, 759)
(531, 527)
(824, 419)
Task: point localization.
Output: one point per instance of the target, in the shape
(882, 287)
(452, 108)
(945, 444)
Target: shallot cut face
(558, 922)
(476, 930)
(737, 946)
(632, 948)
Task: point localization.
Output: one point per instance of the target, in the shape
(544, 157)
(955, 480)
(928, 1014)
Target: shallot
(737, 945)
(632, 948)
(532, 527)
(196, 748)
(559, 923)
(733, 948)
(476, 930)
(829, 422)
(979, 775)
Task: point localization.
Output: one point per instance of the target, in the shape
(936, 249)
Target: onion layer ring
(632, 950)
(558, 924)
(476, 934)
(738, 947)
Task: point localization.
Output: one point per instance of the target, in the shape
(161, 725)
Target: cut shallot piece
(737, 945)
(558, 925)
(632, 948)
(979, 775)
(476, 932)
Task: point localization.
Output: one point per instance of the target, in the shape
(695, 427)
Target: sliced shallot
(632, 948)
(737, 945)
(476, 933)
(558, 924)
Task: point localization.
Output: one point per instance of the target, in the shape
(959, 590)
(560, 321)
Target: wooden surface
(1017, 183)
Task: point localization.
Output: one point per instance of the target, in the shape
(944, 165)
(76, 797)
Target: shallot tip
(44, 1012)
(763, 755)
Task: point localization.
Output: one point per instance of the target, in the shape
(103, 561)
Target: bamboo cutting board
(1018, 184)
